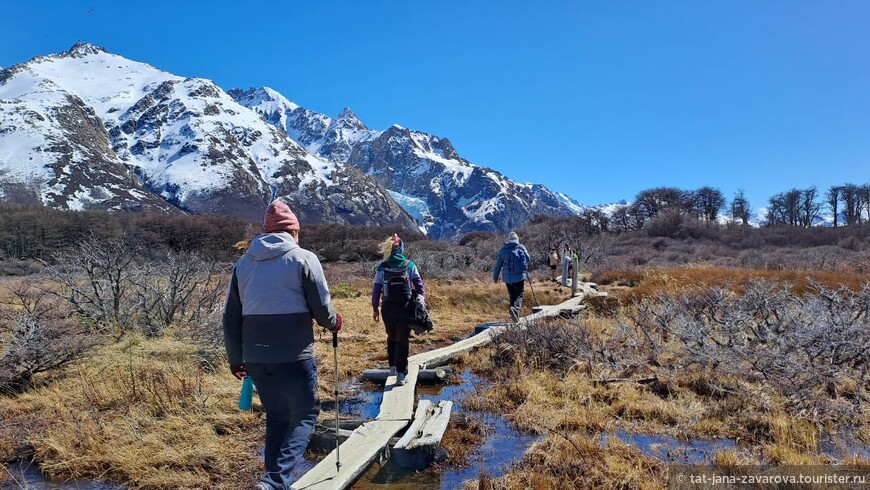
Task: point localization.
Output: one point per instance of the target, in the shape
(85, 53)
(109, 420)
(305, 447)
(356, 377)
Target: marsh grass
(140, 413)
(547, 379)
(160, 413)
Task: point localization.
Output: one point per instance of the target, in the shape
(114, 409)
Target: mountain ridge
(167, 142)
(448, 194)
(182, 141)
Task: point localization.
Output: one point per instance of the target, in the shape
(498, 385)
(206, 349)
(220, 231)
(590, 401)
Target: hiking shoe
(515, 315)
(263, 486)
(400, 379)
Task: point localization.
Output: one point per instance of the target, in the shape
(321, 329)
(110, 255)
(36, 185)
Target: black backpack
(397, 284)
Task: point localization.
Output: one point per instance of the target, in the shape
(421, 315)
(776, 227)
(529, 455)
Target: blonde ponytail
(387, 247)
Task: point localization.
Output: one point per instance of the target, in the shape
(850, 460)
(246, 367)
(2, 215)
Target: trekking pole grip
(334, 340)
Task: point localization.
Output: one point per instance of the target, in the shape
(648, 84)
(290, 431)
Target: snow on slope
(197, 110)
(318, 133)
(186, 140)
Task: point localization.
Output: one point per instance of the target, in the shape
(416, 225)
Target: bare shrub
(36, 335)
(182, 289)
(801, 345)
(852, 243)
(561, 345)
(96, 278)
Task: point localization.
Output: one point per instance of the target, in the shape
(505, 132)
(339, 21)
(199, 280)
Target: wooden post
(424, 375)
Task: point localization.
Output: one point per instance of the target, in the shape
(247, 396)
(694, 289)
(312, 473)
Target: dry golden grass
(151, 414)
(144, 414)
(650, 281)
(579, 461)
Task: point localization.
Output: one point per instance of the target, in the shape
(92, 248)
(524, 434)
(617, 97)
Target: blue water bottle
(246, 397)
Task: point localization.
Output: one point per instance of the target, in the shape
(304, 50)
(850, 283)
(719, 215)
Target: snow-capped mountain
(448, 195)
(90, 129)
(330, 138)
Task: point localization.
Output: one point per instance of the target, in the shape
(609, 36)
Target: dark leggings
(515, 291)
(398, 335)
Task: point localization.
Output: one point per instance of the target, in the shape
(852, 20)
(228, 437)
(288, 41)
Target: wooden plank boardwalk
(370, 439)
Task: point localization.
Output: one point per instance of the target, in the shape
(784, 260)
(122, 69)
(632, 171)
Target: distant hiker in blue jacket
(276, 289)
(512, 263)
(394, 279)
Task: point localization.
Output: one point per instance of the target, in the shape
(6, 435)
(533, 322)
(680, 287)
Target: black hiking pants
(515, 291)
(395, 316)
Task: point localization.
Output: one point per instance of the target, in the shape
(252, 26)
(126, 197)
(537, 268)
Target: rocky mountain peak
(254, 97)
(81, 49)
(347, 119)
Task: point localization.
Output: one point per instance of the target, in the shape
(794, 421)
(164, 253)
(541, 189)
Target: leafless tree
(852, 199)
(832, 198)
(182, 288)
(37, 334)
(96, 278)
(809, 207)
(795, 207)
(708, 202)
(651, 202)
(740, 208)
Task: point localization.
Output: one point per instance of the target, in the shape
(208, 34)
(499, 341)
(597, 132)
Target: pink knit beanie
(280, 218)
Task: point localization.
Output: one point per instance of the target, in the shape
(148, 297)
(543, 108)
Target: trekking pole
(335, 358)
(533, 290)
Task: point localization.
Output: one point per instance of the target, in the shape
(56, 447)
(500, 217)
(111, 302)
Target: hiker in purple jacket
(276, 289)
(512, 263)
(394, 279)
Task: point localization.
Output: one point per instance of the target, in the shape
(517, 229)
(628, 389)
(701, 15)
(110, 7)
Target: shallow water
(502, 446)
(670, 449)
(24, 475)
(838, 448)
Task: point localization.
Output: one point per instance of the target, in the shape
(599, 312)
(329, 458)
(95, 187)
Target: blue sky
(598, 100)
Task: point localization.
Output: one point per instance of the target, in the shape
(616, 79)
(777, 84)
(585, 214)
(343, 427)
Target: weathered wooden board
(420, 445)
(363, 446)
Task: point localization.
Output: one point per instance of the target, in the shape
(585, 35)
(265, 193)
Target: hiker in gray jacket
(512, 262)
(276, 290)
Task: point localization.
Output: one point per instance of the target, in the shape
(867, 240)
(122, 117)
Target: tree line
(849, 204)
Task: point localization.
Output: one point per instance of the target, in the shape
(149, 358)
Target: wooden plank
(421, 444)
(357, 453)
(370, 439)
(398, 402)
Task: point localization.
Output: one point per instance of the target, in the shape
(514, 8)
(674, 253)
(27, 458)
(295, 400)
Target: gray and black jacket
(277, 288)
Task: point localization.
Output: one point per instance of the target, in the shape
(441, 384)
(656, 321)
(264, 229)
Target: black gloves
(239, 370)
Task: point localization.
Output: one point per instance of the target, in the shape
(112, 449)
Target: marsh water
(502, 446)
